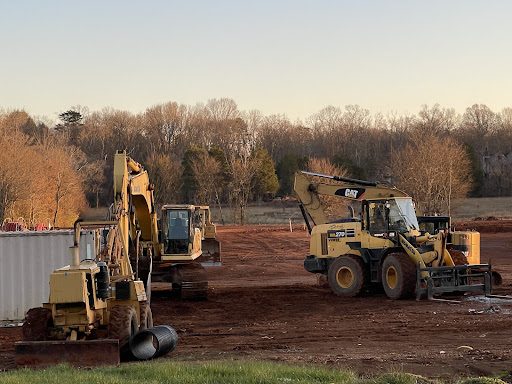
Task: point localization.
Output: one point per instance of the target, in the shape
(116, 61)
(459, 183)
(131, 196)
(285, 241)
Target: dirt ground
(264, 305)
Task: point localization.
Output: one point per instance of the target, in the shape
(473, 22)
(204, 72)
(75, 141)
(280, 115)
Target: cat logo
(352, 193)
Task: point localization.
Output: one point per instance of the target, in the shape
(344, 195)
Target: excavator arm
(134, 202)
(308, 192)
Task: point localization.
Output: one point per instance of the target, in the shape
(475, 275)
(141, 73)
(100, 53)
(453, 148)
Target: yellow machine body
(384, 244)
(469, 243)
(101, 303)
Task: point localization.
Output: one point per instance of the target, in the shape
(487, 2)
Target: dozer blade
(82, 353)
(211, 253)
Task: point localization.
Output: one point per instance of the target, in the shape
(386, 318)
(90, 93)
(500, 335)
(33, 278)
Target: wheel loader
(384, 245)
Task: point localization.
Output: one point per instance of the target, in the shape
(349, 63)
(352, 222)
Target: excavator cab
(177, 231)
(180, 235)
(434, 224)
(187, 231)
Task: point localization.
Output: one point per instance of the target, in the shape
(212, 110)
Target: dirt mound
(484, 225)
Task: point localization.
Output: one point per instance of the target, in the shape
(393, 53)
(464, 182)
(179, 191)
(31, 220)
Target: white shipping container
(26, 262)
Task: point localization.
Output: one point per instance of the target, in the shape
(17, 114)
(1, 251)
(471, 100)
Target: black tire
(458, 257)
(123, 324)
(146, 316)
(37, 324)
(398, 276)
(496, 278)
(346, 276)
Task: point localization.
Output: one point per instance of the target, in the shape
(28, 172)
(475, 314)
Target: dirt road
(263, 305)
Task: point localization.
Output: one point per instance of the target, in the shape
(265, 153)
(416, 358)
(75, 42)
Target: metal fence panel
(26, 261)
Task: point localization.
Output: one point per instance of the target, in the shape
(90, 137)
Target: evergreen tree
(286, 168)
(189, 186)
(266, 183)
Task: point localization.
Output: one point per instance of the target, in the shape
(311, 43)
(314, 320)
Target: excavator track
(194, 281)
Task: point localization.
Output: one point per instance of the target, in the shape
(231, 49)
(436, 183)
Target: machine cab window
(177, 224)
(392, 215)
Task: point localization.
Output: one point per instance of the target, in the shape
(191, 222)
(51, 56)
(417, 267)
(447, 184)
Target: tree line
(214, 153)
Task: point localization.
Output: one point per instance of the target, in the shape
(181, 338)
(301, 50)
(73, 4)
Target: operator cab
(434, 224)
(177, 229)
(384, 218)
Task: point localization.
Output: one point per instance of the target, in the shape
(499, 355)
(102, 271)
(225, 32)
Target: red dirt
(491, 225)
(263, 305)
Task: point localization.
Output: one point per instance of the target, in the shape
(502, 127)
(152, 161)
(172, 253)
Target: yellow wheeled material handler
(384, 246)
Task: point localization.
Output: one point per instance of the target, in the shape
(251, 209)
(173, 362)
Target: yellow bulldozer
(384, 246)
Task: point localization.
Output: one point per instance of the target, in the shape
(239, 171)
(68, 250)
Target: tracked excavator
(96, 306)
(175, 252)
(384, 245)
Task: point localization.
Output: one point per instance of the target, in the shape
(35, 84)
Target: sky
(288, 57)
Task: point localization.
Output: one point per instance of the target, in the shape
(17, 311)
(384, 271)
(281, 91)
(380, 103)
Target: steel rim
(345, 277)
(391, 277)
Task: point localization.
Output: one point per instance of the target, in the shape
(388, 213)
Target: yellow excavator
(175, 253)
(384, 245)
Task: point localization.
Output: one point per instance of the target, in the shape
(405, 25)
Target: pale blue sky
(292, 57)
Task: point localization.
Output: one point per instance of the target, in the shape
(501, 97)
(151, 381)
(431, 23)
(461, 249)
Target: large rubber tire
(146, 316)
(398, 276)
(458, 257)
(347, 276)
(123, 324)
(37, 324)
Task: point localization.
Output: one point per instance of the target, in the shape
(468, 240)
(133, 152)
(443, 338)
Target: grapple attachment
(451, 279)
(81, 353)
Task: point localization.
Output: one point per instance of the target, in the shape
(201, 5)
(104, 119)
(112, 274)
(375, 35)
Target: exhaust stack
(75, 257)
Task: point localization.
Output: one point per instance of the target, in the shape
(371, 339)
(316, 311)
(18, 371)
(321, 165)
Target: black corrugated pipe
(153, 342)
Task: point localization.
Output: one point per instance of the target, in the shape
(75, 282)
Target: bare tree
(242, 171)
(433, 171)
(165, 173)
(437, 120)
(335, 207)
(208, 176)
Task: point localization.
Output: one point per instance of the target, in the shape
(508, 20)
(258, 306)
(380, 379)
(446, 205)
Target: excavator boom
(309, 191)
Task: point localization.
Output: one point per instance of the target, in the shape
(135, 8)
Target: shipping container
(26, 262)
